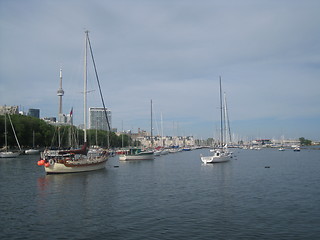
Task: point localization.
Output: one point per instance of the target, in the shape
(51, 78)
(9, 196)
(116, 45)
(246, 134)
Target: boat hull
(144, 156)
(215, 159)
(57, 168)
(31, 151)
(9, 154)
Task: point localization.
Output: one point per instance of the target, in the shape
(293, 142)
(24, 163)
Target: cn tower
(60, 93)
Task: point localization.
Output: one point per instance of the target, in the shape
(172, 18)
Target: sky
(267, 53)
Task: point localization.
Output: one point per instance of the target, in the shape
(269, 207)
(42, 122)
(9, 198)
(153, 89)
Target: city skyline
(267, 53)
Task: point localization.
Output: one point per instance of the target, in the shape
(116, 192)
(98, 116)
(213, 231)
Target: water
(173, 197)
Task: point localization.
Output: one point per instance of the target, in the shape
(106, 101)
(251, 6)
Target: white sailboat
(220, 154)
(6, 153)
(77, 160)
(32, 150)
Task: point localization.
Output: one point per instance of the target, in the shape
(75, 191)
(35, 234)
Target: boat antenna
(97, 77)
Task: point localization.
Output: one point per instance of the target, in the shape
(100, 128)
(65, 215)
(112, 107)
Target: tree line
(33, 131)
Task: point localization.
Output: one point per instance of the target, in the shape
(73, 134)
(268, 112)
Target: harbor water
(266, 194)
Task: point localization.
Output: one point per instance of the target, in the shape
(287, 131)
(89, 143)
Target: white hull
(9, 154)
(31, 151)
(82, 166)
(215, 159)
(136, 157)
(157, 153)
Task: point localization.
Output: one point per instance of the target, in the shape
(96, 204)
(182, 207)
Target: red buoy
(47, 164)
(41, 162)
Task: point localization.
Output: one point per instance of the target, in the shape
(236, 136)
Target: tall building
(34, 112)
(60, 93)
(97, 118)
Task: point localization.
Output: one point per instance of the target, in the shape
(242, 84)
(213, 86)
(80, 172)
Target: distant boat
(76, 160)
(32, 150)
(186, 149)
(136, 154)
(220, 154)
(296, 149)
(5, 153)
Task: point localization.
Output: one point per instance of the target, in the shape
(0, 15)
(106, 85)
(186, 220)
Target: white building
(97, 118)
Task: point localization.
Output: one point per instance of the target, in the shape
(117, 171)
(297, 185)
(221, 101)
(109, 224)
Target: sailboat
(76, 160)
(32, 150)
(137, 153)
(220, 154)
(6, 153)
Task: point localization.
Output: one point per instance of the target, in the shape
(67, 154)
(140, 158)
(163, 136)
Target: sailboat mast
(5, 132)
(151, 126)
(221, 115)
(85, 88)
(227, 123)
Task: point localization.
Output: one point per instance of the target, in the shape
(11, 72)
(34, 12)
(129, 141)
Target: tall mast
(85, 88)
(151, 126)
(5, 130)
(227, 123)
(221, 115)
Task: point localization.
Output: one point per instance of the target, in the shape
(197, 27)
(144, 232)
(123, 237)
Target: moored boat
(76, 160)
(5, 153)
(220, 154)
(31, 151)
(9, 154)
(136, 154)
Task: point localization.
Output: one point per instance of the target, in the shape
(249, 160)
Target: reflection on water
(174, 196)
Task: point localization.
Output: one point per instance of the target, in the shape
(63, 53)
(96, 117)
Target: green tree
(47, 135)
(305, 142)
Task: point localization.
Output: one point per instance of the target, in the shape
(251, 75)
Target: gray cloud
(268, 55)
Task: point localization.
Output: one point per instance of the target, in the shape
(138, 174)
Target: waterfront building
(167, 141)
(97, 118)
(9, 110)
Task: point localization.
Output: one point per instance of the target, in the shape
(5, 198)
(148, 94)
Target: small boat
(9, 154)
(281, 149)
(136, 154)
(186, 149)
(157, 152)
(296, 149)
(219, 155)
(76, 160)
(32, 150)
(5, 153)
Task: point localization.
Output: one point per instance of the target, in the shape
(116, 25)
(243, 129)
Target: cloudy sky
(173, 52)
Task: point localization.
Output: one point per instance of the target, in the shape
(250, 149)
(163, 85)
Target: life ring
(51, 161)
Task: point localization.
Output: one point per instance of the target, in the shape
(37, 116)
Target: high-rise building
(34, 112)
(97, 118)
